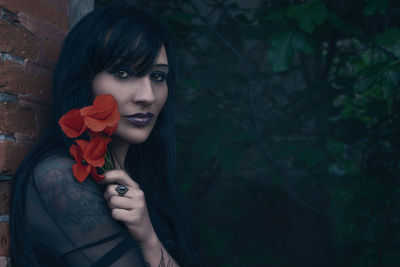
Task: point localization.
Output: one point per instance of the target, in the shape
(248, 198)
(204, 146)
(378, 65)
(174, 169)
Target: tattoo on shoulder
(67, 201)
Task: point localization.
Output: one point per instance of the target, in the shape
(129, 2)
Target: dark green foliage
(288, 123)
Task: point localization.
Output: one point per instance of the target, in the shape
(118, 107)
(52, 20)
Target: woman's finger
(117, 202)
(119, 177)
(111, 191)
(124, 215)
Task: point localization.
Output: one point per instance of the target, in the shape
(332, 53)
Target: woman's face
(135, 95)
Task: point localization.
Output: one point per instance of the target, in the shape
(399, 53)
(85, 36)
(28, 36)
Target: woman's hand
(130, 208)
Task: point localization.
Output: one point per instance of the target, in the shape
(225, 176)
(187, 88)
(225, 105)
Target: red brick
(26, 139)
(14, 118)
(4, 239)
(53, 11)
(28, 79)
(11, 155)
(5, 63)
(41, 28)
(42, 110)
(50, 37)
(18, 41)
(49, 53)
(5, 193)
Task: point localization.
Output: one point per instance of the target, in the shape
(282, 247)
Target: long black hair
(103, 39)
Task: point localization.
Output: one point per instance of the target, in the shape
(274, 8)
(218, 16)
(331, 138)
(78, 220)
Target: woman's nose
(144, 91)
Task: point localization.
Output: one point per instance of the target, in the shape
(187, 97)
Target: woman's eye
(121, 74)
(158, 76)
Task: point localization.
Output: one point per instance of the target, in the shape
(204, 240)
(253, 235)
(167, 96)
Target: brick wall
(31, 33)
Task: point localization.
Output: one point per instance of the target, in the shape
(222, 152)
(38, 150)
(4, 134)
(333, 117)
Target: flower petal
(110, 130)
(95, 150)
(94, 124)
(97, 177)
(72, 123)
(103, 113)
(80, 171)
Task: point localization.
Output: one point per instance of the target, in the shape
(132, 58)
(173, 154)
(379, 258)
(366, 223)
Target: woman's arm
(155, 254)
(70, 221)
(130, 208)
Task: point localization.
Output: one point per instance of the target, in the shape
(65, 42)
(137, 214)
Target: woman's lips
(139, 121)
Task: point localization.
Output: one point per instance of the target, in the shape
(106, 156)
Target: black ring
(121, 190)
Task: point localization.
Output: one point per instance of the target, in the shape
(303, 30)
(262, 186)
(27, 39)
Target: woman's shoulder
(54, 180)
(53, 168)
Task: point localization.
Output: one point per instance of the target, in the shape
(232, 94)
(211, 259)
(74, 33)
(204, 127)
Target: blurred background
(288, 128)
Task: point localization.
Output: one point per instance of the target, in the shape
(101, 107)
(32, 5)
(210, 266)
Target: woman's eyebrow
(161, 65)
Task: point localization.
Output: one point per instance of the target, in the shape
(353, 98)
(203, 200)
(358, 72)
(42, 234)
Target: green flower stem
(108, 164)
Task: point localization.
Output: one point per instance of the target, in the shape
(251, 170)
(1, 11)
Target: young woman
(136, 216)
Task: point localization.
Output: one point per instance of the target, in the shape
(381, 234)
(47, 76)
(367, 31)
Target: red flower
(72, 123)
(110, 130)
(103, 115)
(97, 177)
(80, 169)
(100, 121)
(95, 150)
(107, 131)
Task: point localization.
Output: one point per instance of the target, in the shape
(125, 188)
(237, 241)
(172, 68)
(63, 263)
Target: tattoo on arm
(170, 263)
(67, 201)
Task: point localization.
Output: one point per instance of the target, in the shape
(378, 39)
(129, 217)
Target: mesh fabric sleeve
(71, 222)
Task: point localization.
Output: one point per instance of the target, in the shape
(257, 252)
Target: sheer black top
(69, 223)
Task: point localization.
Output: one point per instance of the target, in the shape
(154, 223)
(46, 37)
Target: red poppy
(80, 169)
(110, 130)
(97, 177)
(103, 114)
(100, 121)
(72, 123)
(95, 150)
(107, 131)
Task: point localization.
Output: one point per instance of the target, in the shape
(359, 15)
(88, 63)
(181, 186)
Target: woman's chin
(133, 135)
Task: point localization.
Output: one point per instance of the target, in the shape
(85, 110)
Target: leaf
(318, 12)
(281, 55)
(306, 25)
(299, 13)
(308, 15)
(364, 84)
(301, 43)
(338, 23)
(372, 70)
(389, 37)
